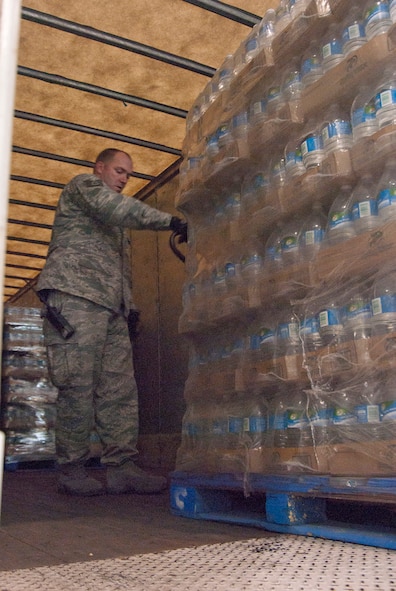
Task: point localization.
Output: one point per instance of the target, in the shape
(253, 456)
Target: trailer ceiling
(95, 74)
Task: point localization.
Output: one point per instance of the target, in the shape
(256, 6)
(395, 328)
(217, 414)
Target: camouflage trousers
(93, 371)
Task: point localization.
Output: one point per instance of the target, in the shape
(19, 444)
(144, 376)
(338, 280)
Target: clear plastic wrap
(293, 356)
(28, 408)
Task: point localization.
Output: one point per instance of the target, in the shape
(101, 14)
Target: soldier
(87, 280)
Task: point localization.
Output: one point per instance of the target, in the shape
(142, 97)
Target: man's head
(114, 167)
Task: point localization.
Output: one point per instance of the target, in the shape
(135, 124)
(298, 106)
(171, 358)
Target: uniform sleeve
(115, 209)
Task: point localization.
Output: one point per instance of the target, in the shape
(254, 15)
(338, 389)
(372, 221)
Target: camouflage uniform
(88, 275)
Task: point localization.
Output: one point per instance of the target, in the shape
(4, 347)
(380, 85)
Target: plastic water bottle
(364, 205)
(261, 342)
(288, 340)
(392, 10)
(290, 241)
(311, 64)
(254, 191)
(368, 410)
(240, 125)
(364, 114)
(294, 164)
(257, 111)
(312, 145)
(386, 192)
(357, 314)
(332, 53)
(312, 233)
(385, 98)
(299, 432)
(275, 100)
(277, 433)
(283, 16)
(340, 226)
(277, 172)
(310, 330)
(266, 31)
(353, 30)
(252, 44)
(291, 84)
(319, 419)
(255, 430)
(388, 407)
(377, 18)
(225, 73)
(252, 272)
(272, 252)
(297, 7)
(336, 130)
(224, 135)
(343, 417)
(331, 327)
(383, 304)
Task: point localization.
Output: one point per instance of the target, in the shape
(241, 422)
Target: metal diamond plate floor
(281, 563)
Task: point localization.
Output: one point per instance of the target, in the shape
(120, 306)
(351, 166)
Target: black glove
(179, 227)
(133, 323)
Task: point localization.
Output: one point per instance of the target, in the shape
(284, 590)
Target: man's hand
(179, 227)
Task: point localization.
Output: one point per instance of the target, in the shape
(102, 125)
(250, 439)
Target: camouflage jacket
(89, 252)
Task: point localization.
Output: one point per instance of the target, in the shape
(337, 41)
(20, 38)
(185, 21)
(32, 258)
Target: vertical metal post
(10, 17)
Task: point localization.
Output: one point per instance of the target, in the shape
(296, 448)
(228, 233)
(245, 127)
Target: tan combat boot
(130, 478)
(74, 480)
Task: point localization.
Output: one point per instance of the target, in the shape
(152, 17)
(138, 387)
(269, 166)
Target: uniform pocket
(65, 366)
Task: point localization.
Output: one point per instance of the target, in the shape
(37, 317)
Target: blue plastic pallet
(285, 504)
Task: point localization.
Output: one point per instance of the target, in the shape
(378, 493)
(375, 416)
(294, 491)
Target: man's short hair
(108, 154)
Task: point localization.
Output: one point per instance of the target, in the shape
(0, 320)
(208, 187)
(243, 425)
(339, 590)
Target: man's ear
(99, 167)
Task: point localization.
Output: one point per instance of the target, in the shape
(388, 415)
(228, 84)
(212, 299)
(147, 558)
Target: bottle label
(219, 427)
(289, 330)
(364, 114)
(235, 425)
(343, 416)
(312, 143)
(388, 410)
(240, 119)
(386, 197)
(310, 326)
(312, 237)
(378, 11)
(260, 181)
(331, 49)
(258, 107)
(278, 422)
(329, 317)
(296, 419)
(266, 337)
(368, 413)
(353, 32)
(289, 243)
(256, 424)
(273, 254)
(251, 261)
(311, 65)
(364, 209)
(319, 417)
(385, 98)
(383, 304)
(336, 129)
(274, 93)
(358, 309)
(293, 157)
(230, 270)
(338, 218)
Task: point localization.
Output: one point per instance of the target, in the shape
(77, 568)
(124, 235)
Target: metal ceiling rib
(39, 133)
